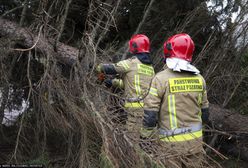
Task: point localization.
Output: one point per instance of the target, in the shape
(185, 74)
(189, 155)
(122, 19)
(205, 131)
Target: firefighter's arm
(123, 67)
(205, 105)
(106, 69)
(151, 108)
(112, 69)
(118, 83)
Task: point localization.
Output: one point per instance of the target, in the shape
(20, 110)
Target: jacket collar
(144, 58)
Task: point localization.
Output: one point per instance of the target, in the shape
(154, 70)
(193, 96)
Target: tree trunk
(65, 54)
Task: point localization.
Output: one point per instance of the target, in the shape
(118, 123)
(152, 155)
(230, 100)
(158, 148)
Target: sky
(210, 5)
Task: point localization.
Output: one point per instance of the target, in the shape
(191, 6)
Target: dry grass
(75, 119)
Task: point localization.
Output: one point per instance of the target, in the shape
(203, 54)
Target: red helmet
(179, 46)
(139, 43)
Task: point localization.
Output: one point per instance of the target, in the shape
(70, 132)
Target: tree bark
(65, 54)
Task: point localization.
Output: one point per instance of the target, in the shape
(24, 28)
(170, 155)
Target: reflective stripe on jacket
(136, 78)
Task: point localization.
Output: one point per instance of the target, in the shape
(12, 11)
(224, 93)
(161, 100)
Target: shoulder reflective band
(123, 64)
(145, 69)
(153, 91)
(181, 137)
(199, 101)
(137, 84)
(172, 111)
(185, 85)
(134, 105)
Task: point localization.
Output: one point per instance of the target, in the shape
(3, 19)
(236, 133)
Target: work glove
(99, 68)
(205, 116)
(100, 75)
(113, 82)
(108, 83)
(118, 83)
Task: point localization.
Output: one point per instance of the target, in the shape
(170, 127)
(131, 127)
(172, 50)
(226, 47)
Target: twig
(23, 115)
(24, 11)
(11, 10)
(213, 140)
(226, 133)
(62, 23)
(146, 12)
(221, 155)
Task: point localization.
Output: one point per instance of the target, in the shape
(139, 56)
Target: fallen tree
(224, 121)
(28, 40)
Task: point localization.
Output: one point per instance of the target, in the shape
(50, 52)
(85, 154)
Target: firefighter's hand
(118, 83)
(205, 116)
(99, 68)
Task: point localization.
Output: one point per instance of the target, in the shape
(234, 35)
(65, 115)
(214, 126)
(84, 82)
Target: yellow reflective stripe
(182, 137)
(172, 111)
(153, 91)
(199, 115)
(145, 69)
(194, 84)
(121, 84)
(118, 83)
(135, 104)
(137, 84)
(124, 64)
(199, 98)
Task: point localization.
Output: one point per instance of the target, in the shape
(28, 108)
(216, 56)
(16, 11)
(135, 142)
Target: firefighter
(177, 103)
(136, 74)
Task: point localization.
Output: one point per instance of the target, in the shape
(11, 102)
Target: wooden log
(26, 38)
